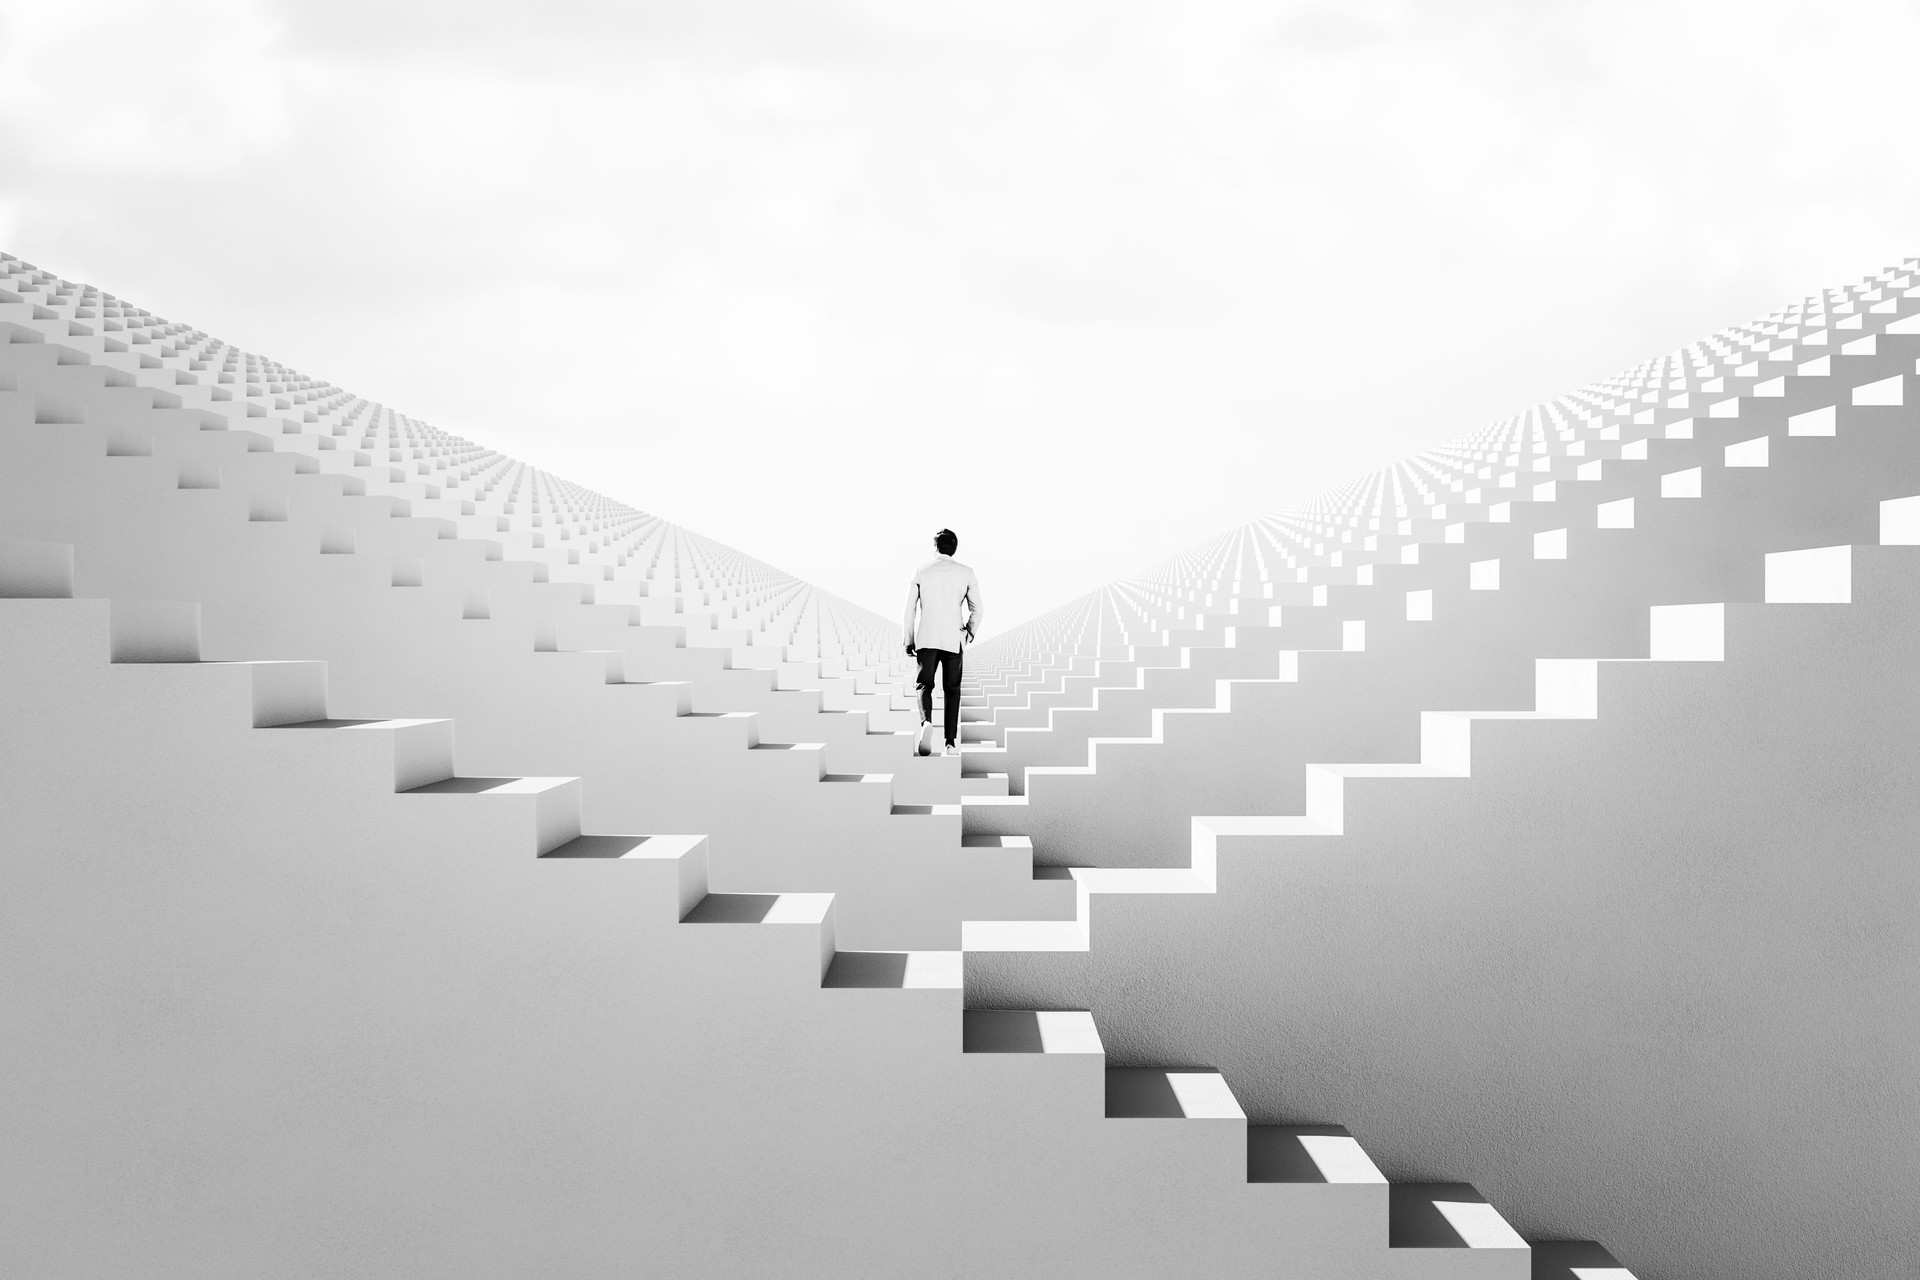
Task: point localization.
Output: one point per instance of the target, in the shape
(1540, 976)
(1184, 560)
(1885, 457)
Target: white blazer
(939, 592)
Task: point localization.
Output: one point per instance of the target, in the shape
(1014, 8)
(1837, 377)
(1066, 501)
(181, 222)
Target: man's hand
(910, 649)
(968, 632)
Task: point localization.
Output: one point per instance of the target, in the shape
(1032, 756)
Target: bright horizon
(1088, 284)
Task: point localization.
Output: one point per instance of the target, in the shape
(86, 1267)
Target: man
(940, 634)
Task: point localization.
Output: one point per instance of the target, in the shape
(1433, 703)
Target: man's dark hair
(946, 542)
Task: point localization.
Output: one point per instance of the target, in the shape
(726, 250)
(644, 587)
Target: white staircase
(1233, 945)
(290, 995)
(1428, 587)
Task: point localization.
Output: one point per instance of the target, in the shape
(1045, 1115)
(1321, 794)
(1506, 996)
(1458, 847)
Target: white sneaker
(923, 740)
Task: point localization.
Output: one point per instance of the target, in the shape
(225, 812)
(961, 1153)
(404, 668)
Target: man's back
(947, 597)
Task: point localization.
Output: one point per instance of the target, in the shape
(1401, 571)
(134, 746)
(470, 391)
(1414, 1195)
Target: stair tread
(1445, 1215)
(597, 847)
(1307, 1153)
(1575, 1260)
(759, 908)
(1170, 1093)
(1030, 1031)
(897, 969)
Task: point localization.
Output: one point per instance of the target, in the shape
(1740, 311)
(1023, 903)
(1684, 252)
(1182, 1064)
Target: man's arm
(974, 612)
(913, 603)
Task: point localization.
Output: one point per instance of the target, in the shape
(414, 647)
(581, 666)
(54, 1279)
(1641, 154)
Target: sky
(1087, 281)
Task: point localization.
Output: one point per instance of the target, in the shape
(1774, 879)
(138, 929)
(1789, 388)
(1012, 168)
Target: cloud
(133, 88)
(1084, 281)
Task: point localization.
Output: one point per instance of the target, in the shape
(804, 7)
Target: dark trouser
(949, 664)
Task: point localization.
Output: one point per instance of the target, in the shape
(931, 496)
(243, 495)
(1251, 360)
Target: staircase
(391, 992)
(1231, 945)
(1428, 587)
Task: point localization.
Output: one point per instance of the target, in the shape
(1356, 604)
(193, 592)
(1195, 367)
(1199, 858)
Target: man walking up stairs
(937, 634)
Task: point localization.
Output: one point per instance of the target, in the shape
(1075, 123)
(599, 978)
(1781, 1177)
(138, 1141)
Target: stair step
(483, 786)
(993, 842)
(1191, 1093)
(422, 749)
(902, 969)
(1575, 1260)
(1029, 1031)
(760, 908)
(35, 570)
(154, 631)
(1307, 1153)
(598, 847)
(1445, 1215)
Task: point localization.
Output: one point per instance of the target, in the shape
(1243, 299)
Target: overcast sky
(1086, 281)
